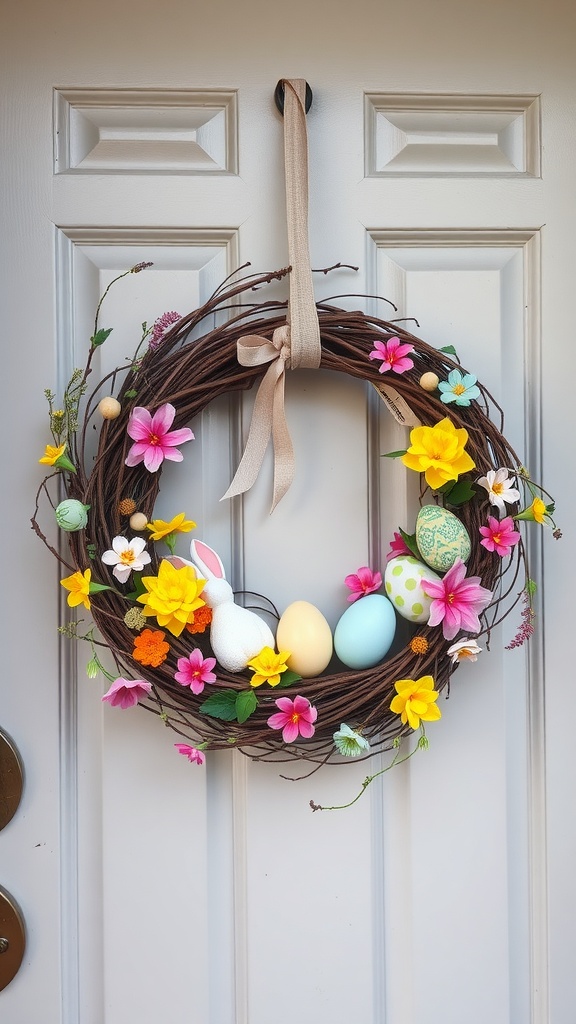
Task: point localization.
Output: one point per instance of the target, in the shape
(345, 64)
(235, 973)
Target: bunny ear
(207, 560)
(177, 562)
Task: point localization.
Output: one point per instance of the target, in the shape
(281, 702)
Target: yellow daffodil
(438, 452)
(268, 666)
(172, 596)
(415, 701)
(160, 529)
(79, 586)
(54, 456)
(537, 512)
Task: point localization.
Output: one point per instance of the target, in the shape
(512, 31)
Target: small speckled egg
(71, 515)
(109, 408)
(305, 632)
(365, 632)
(138, 521)
(441, 538)
(403, 580)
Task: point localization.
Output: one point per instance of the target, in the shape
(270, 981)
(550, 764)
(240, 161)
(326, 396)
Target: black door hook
(279, 97)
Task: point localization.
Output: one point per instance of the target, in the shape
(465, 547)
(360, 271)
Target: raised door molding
(145, 131)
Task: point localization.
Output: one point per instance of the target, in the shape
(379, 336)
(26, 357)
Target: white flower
(499, 488)
(125, 556)
(464, 650)
(350, 743)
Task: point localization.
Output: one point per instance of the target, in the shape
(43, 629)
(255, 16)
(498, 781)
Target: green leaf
(410, 542)
(449, 350)
(394, 455)
(100, 337)
(460, 493)
(95, 588)
(531, 587)
(130, 394)
(221, 705)
(286, 679)
(139, 588)
(246, 704)
(91, 550)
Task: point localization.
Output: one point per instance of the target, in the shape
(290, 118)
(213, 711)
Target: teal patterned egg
(441, 538)
(403, 581)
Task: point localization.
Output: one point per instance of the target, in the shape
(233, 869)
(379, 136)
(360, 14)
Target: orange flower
(418, 645)
(150, 648)
(201, 621)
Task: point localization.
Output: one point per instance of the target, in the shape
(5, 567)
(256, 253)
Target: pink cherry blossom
(194, 755)
(363, 582)
(397, 547)
(500, 535)
(195, 670)
(393, 355)
(457, 601)
(154, 439)
(125, 693)
(295, 718)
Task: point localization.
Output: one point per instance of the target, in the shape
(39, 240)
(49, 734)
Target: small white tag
(397, 405)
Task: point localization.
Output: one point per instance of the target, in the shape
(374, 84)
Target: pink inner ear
(209, 558)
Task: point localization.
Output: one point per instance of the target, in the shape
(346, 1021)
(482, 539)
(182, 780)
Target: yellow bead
(138, 521)
(109, 408)
(429, 381)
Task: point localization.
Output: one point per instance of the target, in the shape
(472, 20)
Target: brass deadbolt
(11, 779)
(12, 938)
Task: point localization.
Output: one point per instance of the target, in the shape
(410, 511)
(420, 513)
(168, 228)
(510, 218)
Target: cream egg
(305, 633)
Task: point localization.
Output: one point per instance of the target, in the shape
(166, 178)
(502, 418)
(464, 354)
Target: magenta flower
(160, 327)
(397, 547)
(500, 535)
(154, 439)
(456, 601)
(296, 717)
(125, 693)
(363, 582)
(393, 355)
(194, 755)
(195, 670)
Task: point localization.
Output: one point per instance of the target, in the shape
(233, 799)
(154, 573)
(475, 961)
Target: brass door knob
(11, 779)
(12, 938)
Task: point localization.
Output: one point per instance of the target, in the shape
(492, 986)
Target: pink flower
(296, 717)
(125, 693)
(499, 535)
(194, 755)
(195, 670)
(160, 327)
(457, 601)
(397, 547)
(363, 582)
(393, 355)
(154, 439)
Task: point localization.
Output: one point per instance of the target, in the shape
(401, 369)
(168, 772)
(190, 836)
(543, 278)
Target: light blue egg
(365, 631)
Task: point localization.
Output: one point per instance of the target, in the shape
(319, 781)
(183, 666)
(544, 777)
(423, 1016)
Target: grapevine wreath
(451, 575)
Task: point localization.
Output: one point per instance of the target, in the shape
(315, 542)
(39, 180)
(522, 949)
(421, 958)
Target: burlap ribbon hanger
(297, 342)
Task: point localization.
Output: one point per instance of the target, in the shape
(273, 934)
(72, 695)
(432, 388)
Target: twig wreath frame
(188, 370)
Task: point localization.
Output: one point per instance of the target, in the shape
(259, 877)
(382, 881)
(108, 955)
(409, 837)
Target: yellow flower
(415, 701)
(538, 510)
(159, 529)
(172, 596)
(79, 586)
(268, 666)
(51, 455)
(438, 452)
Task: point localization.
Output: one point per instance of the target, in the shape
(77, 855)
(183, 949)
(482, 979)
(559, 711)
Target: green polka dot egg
(403, 580)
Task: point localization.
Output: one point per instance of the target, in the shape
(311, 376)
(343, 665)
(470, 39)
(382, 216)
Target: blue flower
(459, 388)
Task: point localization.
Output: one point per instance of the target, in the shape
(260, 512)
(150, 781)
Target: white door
(441, 155)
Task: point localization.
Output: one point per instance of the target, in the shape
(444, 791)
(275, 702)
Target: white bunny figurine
(236, 634)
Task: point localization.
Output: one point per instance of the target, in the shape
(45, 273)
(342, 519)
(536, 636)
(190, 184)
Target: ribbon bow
(297, 342)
